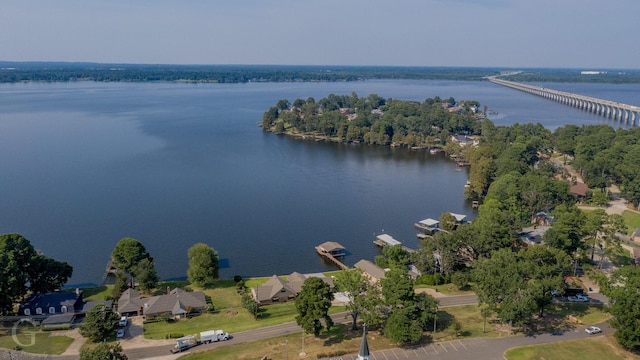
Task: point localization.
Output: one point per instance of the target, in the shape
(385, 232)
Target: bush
(331, 354)
(175, 335)
(57, 327)
(237, 278)
(461, 279)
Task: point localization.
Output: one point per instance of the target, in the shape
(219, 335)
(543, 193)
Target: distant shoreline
(16, 72)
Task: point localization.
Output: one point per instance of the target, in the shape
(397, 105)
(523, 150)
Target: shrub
(175, 335)
(237, 278)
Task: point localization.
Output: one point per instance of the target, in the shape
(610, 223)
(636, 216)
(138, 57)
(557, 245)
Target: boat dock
(332, 251)
(388, 240)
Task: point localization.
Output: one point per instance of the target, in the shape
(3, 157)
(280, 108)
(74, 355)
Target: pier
(332, 250)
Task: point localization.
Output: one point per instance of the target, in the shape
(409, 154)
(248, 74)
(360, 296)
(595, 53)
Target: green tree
(623, 290)
(103, 351)
(47, 275)
(402, 327)
(99, 324)
(312, 304)
(126, 256)
(147, 276)
(23, 270)
(447, 221)
(397, 257)
(203, 264)
(121, 284)
(355, 286)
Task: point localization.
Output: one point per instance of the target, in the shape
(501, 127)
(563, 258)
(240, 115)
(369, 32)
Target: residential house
(58, 308)
(178, 303)
(130, 303)
(464, 140)
(277, 290)
(580, 190)
(372, 271)
(542, 219)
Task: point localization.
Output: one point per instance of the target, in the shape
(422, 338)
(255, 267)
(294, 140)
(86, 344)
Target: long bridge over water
(623, 113)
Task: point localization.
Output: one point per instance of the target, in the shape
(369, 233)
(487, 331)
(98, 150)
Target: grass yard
(632, 220)
(597, 348)
(229, 314)
(43, 343)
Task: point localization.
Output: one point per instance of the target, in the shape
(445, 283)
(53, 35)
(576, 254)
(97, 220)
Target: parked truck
(213, 336)
(185, 343)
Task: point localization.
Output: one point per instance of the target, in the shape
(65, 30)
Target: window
(39, 311)
(52, 310)
(63, 309)
(27, 312)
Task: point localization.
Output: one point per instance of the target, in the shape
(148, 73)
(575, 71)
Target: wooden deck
(332, 258)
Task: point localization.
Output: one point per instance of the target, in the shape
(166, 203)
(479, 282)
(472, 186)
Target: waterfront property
(332, 250)
(58, 308)
(277, 290)
(383, 240)
(372, 271)
(427, 226)
(177, 303)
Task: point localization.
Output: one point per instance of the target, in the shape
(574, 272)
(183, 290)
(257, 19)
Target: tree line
(65, 71)
(374, 120)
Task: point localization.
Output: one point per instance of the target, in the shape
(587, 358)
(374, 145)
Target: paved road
(440, 349)
(477, 349)
(458, 300)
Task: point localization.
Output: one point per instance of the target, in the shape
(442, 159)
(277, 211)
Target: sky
(585, 34)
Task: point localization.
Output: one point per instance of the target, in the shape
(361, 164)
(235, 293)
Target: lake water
(85, 164)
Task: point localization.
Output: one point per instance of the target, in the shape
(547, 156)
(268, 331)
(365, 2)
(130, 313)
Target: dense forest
(66, 71)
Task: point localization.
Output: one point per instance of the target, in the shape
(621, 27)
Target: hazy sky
(591, 34)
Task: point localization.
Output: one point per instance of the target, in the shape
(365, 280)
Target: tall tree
(203, 264)
(47, 274)
(313, 303)
(99, 324)
(23, 270)
(355, 286)
(623, 290)
(126, 256)
(147, 275)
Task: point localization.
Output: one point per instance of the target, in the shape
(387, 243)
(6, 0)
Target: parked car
(593, 330)
(555, 292)
(120, 333)
(122, 322)
(578, 298)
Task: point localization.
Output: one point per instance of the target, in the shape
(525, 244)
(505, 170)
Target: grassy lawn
(229, 315)
(97, 293)
(600, 348)
(43, 343)
(632, 220)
